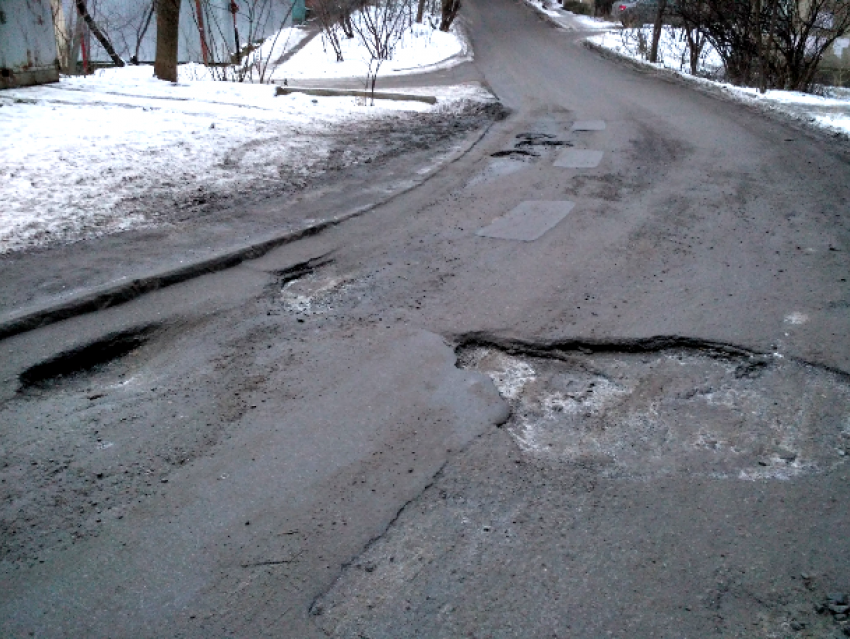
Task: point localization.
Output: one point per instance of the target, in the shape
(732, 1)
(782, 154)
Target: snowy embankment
(569, 19)
(420, 48)
(110, 152)
(830, 111)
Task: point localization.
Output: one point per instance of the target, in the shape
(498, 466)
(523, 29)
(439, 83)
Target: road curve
(624, 411)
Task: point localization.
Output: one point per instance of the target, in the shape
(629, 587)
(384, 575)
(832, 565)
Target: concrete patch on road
(579, 159)
(671, 412)
(588, 125)
(499, 167)
(528, 221)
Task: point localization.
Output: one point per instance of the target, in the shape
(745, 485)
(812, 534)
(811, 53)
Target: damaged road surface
(654, 494)
(626, 413)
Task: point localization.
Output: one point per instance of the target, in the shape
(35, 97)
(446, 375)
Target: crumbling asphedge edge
(86, 356)
(558, 348)
(104, 297)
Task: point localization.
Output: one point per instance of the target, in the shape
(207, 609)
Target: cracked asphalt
(635, 425)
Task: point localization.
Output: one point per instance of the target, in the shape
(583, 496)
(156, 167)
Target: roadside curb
(357, 93)
(103, 297)
(712, 89)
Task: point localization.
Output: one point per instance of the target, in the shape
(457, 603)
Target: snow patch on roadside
(420, 47)
(569, 19)
(85, 157)
(831, 112)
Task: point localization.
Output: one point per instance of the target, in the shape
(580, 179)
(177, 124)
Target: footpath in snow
(117, 150)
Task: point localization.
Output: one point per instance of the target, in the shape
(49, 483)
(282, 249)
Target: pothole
(514, 152)
(673, 411)
(525, 142)
(84, 359)
(317, 294)
(539, 139)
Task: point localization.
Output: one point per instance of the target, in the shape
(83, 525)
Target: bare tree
(97, 33)
(263, 21)
(694, 37)
(804, 31)
(142, 31)
(167, 31)
(60, 30)
(769, 43)
(450, 9)
(334, 16)
(380, 27)
(656, 30)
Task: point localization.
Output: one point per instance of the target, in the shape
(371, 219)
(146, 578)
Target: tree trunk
(60, 30)
(449, 13)
(420, 12)
(757, 9)
(97, 33)
(143, 31)
(770, 32)
(656, 30)
(167, 23)
(76, 45)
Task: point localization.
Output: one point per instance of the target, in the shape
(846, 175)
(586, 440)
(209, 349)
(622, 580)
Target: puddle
(672, 412)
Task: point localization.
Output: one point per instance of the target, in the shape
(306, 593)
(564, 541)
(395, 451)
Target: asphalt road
(632, 426)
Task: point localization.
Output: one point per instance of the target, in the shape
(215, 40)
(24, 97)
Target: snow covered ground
(570, 20)
(110, 152)
(830, 111)
(420, 47)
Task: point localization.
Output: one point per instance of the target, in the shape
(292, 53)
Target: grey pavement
(635, 425)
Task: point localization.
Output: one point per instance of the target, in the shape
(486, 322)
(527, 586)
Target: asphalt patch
(579, 159)
(528, 221)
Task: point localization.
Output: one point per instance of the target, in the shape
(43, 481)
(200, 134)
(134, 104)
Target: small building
(835, 67)
(27, 44)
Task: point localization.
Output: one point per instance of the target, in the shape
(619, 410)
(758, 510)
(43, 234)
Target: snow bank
(419, 47)
(84, 157)
(570, 20)
(831, 112)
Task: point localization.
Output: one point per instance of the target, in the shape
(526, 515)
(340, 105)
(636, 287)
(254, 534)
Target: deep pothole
(528, 144)
(671, 411)
(84, 359)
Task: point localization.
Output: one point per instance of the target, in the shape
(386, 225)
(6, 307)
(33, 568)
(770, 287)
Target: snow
(81, 158)
(420, 46)
(830, 112)
(570, 20)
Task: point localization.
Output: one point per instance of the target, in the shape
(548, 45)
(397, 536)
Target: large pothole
(611, 505)
(677, 410)
(84, 359)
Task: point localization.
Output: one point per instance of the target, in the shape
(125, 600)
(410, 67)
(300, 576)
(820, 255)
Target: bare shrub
(770, 44)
